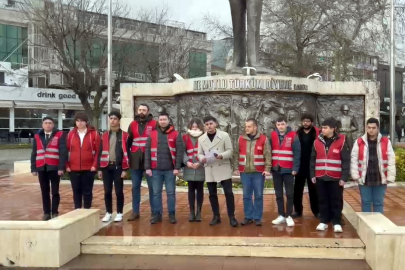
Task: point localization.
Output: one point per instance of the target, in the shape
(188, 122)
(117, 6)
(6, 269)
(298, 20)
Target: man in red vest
(48, 160)
(307, 134)
(373, 167)
(286, 154)
(330, 168)
(113, 163)
(163, 159)
(253, 162)
(138, 132)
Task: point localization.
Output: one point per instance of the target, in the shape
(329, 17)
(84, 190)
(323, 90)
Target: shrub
(400, 163)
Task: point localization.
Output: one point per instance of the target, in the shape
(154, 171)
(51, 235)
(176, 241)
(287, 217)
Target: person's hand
(68, 170)
(149, 172)
(219, 157)
(190, 165)
(341, 183)
(237, 172)
(175, 172)
(34, 174)
(294, 173)
(313, 180)
(93, 169)
(60, 172)
(100, 175)
(265, 173)
(123, 174)
(204, 160)
(196, 165)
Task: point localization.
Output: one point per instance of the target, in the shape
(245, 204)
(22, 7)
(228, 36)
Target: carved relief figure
(242, 113)
(348, 124)
(293, 120)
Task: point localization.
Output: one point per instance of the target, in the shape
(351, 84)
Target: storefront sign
(60, 96)
(248, 84)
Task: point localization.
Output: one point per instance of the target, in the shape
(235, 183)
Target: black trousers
(282, 181)
(82, 186)
(193, 188)
(230, 200)
(51, 178)
(300, 180)
(112, 177)
(330, 196)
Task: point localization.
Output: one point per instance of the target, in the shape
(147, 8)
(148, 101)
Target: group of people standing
(155, 150)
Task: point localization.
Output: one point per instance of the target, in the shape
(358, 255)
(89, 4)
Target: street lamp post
(392, 75)
(109, 68)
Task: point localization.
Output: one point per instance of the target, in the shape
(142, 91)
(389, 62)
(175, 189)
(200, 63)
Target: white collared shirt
(81, 136)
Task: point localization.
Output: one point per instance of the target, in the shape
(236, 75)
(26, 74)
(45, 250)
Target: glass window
(35, 114)
(4, 118)
(3, 44)
(12, 31)
(2, 30)
(24, 33)
(4, 123)
(4, 113)
(11, 44)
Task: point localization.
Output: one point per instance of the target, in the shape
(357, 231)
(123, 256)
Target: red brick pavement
(20, 198)
(394, 207)
(304, 227)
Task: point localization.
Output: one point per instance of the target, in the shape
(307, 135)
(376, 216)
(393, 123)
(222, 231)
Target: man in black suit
(48, 161)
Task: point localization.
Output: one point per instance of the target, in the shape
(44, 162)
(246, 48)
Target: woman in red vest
(83, 145)
(194, 172)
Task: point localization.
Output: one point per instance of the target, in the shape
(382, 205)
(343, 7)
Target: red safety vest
(282, 155)
(139, 141)
(192, 150)
(258, 155)
(329, 164)
(383, 149)
(50, 154)
(171, 141)
(105, 154)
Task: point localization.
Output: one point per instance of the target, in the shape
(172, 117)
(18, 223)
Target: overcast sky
(191, 12)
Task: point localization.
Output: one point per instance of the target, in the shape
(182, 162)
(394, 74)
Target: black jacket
(63, 153)
(164, 157)
(119, 152)
(344, 155)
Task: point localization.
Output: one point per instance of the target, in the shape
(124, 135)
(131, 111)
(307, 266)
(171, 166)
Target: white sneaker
(290, 222)
(322, 227)
(107, 217)
(278, 220)
(337, 228)
(118, 218)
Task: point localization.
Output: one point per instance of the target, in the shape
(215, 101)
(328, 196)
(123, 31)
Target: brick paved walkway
(394, 207)
(20, 198)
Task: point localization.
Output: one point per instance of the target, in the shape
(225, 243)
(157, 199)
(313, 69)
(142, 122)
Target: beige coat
(219, 169)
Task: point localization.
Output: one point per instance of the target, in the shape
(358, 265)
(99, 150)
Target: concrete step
(319, 248)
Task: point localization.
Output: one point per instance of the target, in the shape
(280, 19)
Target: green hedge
(400, 163)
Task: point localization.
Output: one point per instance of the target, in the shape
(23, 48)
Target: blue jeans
(372, 196)
(136, 177)
(169, 179)
(253, 183)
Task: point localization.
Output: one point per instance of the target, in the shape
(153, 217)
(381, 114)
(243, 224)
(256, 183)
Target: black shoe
(258, 222)
(172, 219)
(246, 221)
(233, 222)
(134, 216)
(198, 215)
(215, 220)
(296, 215)
(156, 219)
(191, 217)
(46, 217)
(55, 215)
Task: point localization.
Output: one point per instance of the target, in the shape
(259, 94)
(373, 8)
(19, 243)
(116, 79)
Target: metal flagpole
(392, 75)
(109, 69)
